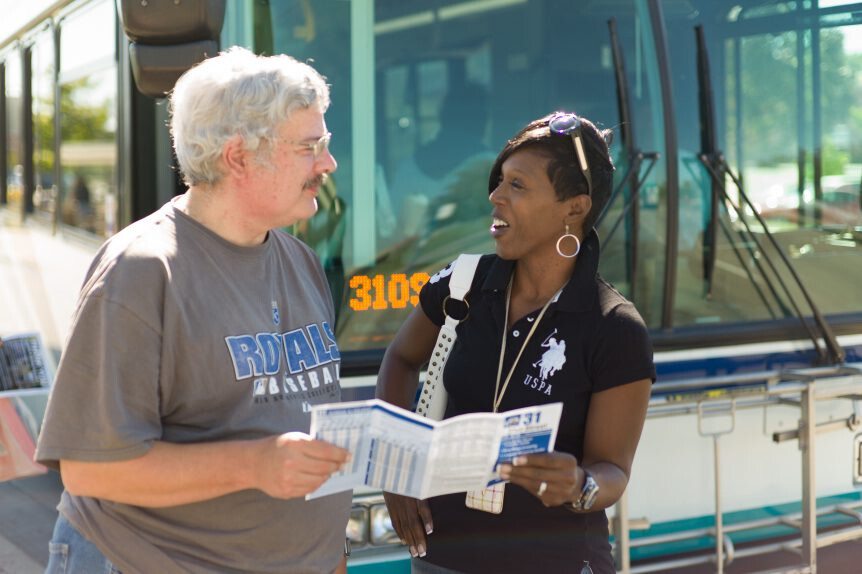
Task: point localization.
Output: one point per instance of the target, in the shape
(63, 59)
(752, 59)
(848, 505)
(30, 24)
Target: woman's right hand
(411, 519)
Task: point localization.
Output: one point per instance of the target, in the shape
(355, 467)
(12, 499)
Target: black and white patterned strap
(432, 400)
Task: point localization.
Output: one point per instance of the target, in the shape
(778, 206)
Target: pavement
(844, 558)
(40, 276)
(27, 515)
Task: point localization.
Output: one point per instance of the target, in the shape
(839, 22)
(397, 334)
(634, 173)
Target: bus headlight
(369, 525)
(357, 526)
(382, 532)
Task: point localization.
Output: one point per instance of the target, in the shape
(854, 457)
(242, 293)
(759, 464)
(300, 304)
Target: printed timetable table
(393, 466)
(388, 450)
(398, 451)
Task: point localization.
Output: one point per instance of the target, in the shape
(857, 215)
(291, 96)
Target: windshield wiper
(635, 158)
(709, 150)
(716, 164)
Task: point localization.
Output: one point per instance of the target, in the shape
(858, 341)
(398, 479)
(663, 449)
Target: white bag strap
(463, 271)
(432, 399)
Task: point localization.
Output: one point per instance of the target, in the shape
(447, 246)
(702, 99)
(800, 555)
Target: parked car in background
(841, 204)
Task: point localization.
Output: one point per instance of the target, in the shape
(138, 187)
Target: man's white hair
(237, 93)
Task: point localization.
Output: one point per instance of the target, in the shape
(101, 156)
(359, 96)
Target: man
(202, 334)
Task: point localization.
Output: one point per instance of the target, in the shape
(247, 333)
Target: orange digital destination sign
(378, 292)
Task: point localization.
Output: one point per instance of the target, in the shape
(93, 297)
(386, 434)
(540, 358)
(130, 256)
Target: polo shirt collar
(579, 294)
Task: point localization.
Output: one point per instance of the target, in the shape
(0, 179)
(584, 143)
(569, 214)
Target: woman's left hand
(555, 478)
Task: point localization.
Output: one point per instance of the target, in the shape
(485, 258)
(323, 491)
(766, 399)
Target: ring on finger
(542, 488)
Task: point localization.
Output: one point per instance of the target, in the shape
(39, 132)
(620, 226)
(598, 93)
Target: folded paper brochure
(398, 451)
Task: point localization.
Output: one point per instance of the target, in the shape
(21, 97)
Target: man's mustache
(316, 181)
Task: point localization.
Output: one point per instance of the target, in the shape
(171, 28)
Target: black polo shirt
(590, 339)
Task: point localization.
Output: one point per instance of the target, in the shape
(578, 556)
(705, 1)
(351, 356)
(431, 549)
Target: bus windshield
(430, 127)
(453, 81)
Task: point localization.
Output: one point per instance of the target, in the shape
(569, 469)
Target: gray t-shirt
(181, 336)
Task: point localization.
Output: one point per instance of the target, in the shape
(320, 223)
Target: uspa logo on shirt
(548, 364)
(553, 359)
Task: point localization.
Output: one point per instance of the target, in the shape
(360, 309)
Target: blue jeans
(71, 553)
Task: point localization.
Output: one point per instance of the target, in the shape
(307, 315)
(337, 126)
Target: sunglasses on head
(570, 125)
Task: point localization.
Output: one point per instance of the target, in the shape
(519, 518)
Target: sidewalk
(844, 558)
(40, 275)
(27, 515)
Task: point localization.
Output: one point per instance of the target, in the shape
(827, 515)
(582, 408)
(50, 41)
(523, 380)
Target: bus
(735, 225)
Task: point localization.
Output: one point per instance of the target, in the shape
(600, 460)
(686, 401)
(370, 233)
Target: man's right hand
(411, 519)
(293, 464)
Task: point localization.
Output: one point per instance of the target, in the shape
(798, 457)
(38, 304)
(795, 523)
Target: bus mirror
(167, 22)
(157, 68)
(168, 37)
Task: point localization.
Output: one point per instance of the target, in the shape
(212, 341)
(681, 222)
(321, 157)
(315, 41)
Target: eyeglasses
(570, 125)
(316, 147)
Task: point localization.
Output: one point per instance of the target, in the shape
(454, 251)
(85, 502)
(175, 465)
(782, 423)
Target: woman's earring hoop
(577, 243)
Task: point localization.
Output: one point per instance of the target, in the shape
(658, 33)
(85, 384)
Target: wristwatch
(589, 493)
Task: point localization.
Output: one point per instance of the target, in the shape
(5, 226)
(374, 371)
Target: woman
(564, 335)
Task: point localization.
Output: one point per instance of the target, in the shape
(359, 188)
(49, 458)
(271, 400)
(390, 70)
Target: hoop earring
(564, 236)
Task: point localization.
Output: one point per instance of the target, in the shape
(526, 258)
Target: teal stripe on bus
(730, 518)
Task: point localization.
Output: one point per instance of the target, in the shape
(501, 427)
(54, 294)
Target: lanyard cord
(498, 393)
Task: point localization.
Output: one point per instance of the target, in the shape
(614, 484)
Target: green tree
(82, 121)
(78, 121)
(770, 87)
(43, 128)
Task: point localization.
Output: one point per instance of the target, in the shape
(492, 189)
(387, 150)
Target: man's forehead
(303, 123)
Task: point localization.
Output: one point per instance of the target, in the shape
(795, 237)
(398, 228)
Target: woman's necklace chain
(498, 392)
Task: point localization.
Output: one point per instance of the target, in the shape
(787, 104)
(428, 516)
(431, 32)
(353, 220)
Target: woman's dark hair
(564, 172)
